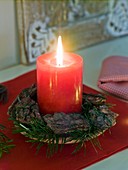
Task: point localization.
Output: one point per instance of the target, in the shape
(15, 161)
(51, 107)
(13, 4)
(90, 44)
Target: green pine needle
(5, 142)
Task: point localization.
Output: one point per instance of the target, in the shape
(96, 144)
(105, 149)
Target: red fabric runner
(24, 157)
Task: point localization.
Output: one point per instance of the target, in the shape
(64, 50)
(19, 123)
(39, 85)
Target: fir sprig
(5, 142)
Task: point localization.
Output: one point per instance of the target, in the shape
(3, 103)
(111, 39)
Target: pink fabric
(114, 76)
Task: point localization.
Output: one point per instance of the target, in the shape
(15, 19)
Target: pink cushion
(114, 76)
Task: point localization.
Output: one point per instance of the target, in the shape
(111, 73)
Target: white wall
(9, 49)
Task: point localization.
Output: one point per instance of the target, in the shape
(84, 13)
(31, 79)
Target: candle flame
(59, 52)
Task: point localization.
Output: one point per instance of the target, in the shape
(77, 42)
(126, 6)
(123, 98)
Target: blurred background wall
(9, 48)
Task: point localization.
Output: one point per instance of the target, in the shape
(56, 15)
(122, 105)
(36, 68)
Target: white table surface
(93, 57)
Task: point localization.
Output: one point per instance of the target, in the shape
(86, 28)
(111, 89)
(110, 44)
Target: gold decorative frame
(80, 22)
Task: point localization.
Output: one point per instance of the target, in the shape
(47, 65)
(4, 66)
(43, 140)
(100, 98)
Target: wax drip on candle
(59, 52)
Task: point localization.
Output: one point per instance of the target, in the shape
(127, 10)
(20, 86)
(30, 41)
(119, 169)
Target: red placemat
(24, 157)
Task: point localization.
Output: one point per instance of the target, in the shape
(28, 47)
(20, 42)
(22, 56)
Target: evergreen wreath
(60, 128)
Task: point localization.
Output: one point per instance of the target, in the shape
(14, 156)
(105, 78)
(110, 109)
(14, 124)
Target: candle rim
(43, 59)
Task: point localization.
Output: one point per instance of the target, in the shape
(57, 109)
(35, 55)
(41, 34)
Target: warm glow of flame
(59, 52)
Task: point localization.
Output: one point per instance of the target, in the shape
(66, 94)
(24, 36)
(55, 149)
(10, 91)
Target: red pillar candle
(59, 82)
